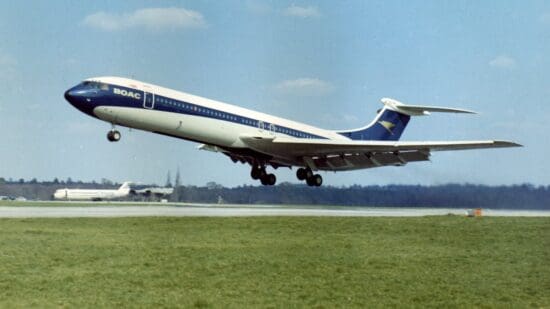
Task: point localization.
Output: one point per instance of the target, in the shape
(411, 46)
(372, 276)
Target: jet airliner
(259, 139)
(92, 194)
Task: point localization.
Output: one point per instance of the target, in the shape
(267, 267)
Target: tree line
(523, 196)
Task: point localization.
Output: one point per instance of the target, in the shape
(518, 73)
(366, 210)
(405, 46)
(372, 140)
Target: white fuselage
(187, 116)
(92, 194)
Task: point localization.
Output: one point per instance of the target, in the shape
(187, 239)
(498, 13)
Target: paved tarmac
(239, 211)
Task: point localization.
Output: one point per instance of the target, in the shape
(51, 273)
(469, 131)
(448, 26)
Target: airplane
(92, 194)
(156, 191)
(260, 139)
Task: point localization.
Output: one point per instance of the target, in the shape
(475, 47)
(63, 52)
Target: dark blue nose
(80, 99)
(75, 97)
(68, 95)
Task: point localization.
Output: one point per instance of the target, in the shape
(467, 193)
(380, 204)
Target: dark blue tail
(387, 126)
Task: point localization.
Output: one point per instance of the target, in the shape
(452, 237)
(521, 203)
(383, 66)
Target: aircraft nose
(80, 99)
(72, 95)
(68, 95)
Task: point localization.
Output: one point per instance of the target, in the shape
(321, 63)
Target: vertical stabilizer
(391, 121)
(125, 187)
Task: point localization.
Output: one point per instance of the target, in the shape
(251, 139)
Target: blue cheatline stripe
(167, 104)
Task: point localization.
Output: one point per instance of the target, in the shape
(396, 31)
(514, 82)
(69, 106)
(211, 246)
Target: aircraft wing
(347, 155)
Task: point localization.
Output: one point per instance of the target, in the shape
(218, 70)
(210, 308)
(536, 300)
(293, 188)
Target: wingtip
(464, 111)
(508, 144)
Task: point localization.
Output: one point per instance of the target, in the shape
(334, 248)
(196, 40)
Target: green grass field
(275, 262)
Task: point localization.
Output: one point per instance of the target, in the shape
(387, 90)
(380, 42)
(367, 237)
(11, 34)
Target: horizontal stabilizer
(417, 110)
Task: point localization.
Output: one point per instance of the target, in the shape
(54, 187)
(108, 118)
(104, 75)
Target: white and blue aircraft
(259, 139)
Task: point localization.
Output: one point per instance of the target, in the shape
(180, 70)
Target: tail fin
(391, 121)
(125, 186)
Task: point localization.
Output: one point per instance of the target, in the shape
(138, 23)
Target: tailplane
(391, 121)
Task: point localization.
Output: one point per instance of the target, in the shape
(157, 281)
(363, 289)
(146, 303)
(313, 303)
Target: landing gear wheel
(271, 179)
(268, 179)
(304, 173)
(113, 136)
(301, 173)
(315, 180)
(256, 172)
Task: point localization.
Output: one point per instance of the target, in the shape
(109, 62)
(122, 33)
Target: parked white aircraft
(92, 194)
(156, 191)
(260, 139)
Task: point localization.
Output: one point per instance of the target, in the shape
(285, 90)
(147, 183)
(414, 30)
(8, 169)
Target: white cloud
(503, 62)
(305, 87)
(302, 12)
(154, 19)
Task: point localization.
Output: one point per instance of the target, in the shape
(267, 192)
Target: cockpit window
(95, 85)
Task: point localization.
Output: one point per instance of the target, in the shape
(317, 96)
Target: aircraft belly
(207, 130)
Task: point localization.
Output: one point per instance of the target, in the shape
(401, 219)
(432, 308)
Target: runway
(239, 211)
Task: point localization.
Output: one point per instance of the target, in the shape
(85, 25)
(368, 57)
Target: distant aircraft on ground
(259, 139)
(92, 194)
(153, 191)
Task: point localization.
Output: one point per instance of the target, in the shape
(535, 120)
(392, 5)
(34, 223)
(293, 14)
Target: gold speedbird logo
(387, 125)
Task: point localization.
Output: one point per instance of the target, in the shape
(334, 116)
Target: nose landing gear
(113, 136)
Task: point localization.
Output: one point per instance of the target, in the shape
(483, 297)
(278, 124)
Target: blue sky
(325, 63)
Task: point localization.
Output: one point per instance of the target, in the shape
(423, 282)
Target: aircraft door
(148, 100)
(272, 129)
(261, 125)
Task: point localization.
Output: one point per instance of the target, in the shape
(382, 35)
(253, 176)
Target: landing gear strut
(259, 172)
(310, 178)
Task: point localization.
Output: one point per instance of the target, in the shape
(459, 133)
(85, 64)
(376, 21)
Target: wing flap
(314, 147)
(368, 160)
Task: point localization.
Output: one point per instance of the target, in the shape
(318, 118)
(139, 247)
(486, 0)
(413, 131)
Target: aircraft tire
(256, 173)
(110, 137)
(301, 173)
(309, 173)
(317, 180)
(113, 136)
(271, 179)
(268, 179)
(314, 181)
(116, 135)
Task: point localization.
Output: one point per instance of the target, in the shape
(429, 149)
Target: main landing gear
(310, 178)
(113, 136)
(259, 172)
